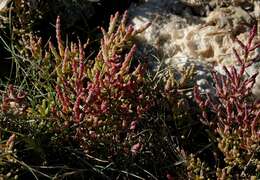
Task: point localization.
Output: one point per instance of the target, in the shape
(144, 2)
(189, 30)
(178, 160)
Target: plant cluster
(106, 100)
(237, 115)
(96, 103)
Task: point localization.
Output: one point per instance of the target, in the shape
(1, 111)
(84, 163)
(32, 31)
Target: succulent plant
(237, 113)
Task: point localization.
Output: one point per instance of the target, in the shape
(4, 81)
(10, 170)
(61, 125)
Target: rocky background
(199, 33)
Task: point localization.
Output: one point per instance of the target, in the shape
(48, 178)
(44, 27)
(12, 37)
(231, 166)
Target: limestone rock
(177, 34)
(207, 38)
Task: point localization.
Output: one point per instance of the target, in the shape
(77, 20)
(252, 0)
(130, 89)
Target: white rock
(180, 39)
(176, 32)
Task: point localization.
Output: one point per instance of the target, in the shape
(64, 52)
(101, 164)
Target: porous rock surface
(192, 32)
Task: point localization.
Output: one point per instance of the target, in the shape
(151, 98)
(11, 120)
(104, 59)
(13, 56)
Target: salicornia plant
(106, 100)
(237, 115)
